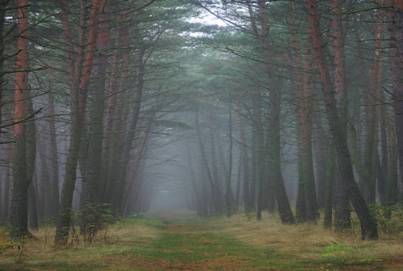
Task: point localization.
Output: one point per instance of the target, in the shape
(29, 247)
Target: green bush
(390, 218)
(94, 217)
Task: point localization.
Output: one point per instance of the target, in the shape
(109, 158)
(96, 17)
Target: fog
(123, 124)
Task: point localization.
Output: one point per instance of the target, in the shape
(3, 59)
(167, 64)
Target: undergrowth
(217, 243)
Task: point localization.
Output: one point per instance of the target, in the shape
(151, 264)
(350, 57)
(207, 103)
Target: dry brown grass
(306, 240)
(40, 251)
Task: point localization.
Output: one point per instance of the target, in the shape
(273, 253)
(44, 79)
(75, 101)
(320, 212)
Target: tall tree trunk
(215, 191)
(258, 154)
(33, 207)
(244, 157)
(93, 174)
(30, 151)
(131, 134)
(372, 112)
(397, 46)
(119, 72)
(337, 129)
(54, 160)
(329, 186)
(3, 7)
(341, 199)
(7, 183)
(392, 192)
(306, 200)
(392, 129)
(228, 188)
(320, 151)
(79, 97)
(274, 142)
(19, 200)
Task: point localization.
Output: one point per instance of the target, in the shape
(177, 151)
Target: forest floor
(190, 243)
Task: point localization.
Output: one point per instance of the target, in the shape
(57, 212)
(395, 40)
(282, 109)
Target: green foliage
(94, 217)
(390, 218)
(343, 255)
(337, 250)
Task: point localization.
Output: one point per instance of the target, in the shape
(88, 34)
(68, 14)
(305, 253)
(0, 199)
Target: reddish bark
(398, 4)
(79, 98)
(21, 76)
(306, 209)
(368, 222)
(19, 199)
(68, 38)
(89, 56)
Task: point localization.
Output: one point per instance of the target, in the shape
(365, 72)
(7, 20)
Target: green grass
(195, 246)
(142, 243)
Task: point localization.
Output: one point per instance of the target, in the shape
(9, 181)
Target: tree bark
(93, 173)
(79, 97)
(306, 200)
(397, 46)
(347, 183)
(19, 200)
(229, 198)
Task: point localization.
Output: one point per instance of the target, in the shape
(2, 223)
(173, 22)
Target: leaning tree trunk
(274, 142)
(368, 223)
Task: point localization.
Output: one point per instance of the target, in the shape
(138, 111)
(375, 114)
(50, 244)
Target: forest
(201, 135)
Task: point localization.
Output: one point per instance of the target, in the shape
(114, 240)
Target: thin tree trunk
(329, 187)
(244, 155)
(54, 160)
(33, 207)
(30, 151)
(215, 192)
(228, 190)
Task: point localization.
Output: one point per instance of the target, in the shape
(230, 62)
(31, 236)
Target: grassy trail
(193, 244)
